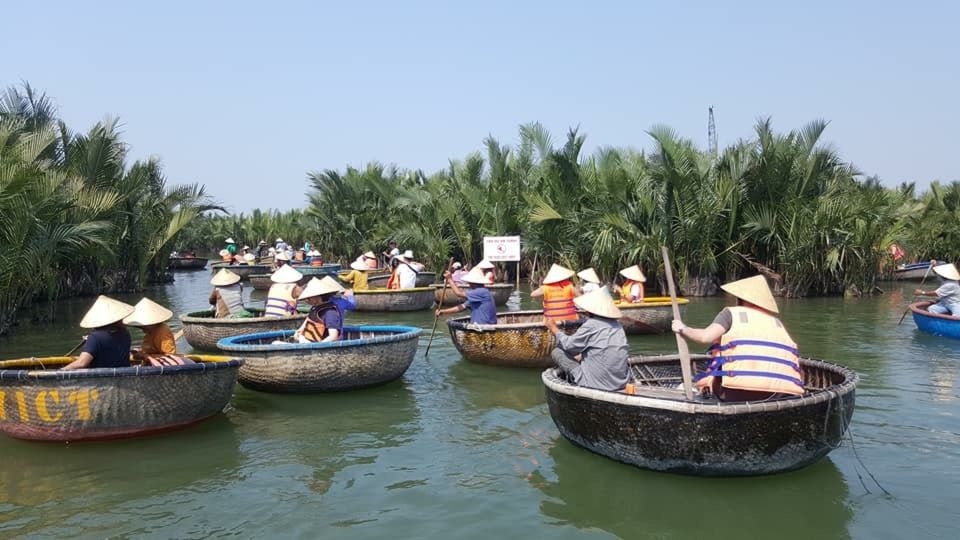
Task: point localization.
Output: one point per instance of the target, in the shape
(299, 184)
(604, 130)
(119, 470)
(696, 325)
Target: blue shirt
(331, 317)
(110, 349)
(482, 308)
(344, 304)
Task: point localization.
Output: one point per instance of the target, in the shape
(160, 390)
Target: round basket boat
(500, 291)
(657, 428)
(424, 279)
(322, 270)
(367, 356)
(935, 323)
(202, 330)
(652, 316)
(187, 263)
(415, 299)
(242, 270)
(519, 339)
(40, 402)
(261, 282)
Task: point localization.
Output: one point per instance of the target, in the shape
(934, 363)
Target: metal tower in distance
(712, 134)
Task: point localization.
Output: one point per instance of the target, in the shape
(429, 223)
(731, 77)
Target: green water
(456, 450)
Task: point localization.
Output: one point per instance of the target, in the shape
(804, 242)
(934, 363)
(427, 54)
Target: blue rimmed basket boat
(40, 402)
(519, 339)
(261, 282)
(367, 356)
(242, 270)
(658, 428)
(935, 323)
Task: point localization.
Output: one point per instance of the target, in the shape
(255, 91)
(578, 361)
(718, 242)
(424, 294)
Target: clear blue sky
(247, 97)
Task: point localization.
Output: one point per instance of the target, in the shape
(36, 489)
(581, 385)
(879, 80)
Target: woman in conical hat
(558, 294)
(357, 276)
(483, 309)
(948, 293)
(754, 357)
(325, 321)
(227, 295)
(108, 345)
(632, 290)
(591, 281)
(151, 317)
(283, 294)
(595, 356)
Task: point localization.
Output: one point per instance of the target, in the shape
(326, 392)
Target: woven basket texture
(519, 339)
(202, 331)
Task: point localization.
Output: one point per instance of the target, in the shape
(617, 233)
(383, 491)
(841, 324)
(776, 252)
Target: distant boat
(187, 263)
(911, 272)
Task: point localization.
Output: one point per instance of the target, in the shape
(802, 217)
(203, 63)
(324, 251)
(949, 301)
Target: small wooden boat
(935, 323)
(501, 293)
(202, 330)
(187, 263)
(40, 402)
(519, 339)
(261, 282)
(414, 299)
(424, 279)
(367, 356)
(911, 272)
(652, 316)
(242, 270)
(657, 428)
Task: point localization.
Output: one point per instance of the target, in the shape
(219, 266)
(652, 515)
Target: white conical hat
(320, 287)
(634, 273)
(589, 275)
(358, 265)
(148, 312)
(598, 302)
(947, 271)
(369, 255)
(556, 274)
(250, 258)
(105, 311)
(754, 290)
(313, 253)
(279, 239)
(281, 256)
(485, 265)
(224, 278)
(476, 275)
(285, 274)
(223, 252)
(230, 241)
(407, 255)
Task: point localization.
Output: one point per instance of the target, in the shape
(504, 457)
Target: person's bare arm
(537, 292)
(82, 361)
(703, 336)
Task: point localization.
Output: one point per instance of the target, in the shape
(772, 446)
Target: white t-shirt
(408, 278)
(948, 296)
(589, 286)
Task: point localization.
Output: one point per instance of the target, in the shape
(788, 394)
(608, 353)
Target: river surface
(456, 450)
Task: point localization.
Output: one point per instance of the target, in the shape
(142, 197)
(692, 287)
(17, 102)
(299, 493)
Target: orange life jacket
(626, 294)
(280, 300)
(558, 301)
(394, 281)
(756, 354)
(226, 258)
(316, 261)
(371, 263)
(315, 331)
(298, 256)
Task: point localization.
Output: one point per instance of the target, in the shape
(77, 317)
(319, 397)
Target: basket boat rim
(393, 291)
(463, 323)
(393, 334)
(918, 308)
(204, 362)
(192, 318)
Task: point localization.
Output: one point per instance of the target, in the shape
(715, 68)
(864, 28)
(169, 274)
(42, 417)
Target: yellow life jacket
(558, 301)
(280, 300)
(626, 295)
(756, 354)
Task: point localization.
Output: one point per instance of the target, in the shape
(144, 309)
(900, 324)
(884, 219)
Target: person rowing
(108, 344)
(947, 294)
(483, 310)
(159, 347)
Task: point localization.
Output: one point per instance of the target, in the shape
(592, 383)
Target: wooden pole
(922, 281)
(436, 317)
(681, 342)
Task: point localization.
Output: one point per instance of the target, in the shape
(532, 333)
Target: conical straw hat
(281, 256)
(223, 252)
(476, 275)
(634, 273)
(359, 265)
(224, 278)
(320, 287)
(486, 265)
(230, 241)
(286, 274)
(148, 312)
(250, 258)
(947, 271)
(598, 302)
(105, 311)
(589, 275)
(556, 274)
(369, 255)
(754, 290)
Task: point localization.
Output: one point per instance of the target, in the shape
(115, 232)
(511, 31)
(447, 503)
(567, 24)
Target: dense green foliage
(74, 217)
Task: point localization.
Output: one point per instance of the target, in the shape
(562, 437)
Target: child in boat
(948, 293)
(325, 321)
(754, 358)
(631, 292)
(600, 344)
(480, 302)
(108, 345)
(159, 347)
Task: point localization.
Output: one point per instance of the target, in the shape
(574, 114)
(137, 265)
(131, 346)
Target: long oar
(681, 342)
(77, 346)
(927, 273)
(443, 296)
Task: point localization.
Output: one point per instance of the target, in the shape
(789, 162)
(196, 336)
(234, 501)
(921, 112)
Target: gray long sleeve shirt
(603, 346)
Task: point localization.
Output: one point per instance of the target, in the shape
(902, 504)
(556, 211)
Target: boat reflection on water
(634, 503)
(517, 389)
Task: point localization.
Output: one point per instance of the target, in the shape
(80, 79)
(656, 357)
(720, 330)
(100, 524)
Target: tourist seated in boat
(325, 320)
(357, 276)
(225, 256)
(754, 358)
(370, 260)
(300, 256)
(344, 298)
(159, 347)
(262, 249)
(413, 263)
(483, 310)
(283, 294)
(632, 290)
(315, 258)
(108, 345)
(307, 247)
(249, 259)
(948, 293)
(280, 259)
(227, 295)
(459, 271)
(489, 270)
(280, 245)
(595, 356)
(404, 275)
(558, 294)
(231, 247)
(589, 280)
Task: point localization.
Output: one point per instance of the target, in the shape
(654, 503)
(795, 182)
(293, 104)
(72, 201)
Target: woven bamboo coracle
(242, 270)
(519, 339)
(652, 316)
(42, 403)
(367, 356)
(657, 428)
(394, 299)
(501, 293)
(203, 331)
(187, 263)
(424, 279)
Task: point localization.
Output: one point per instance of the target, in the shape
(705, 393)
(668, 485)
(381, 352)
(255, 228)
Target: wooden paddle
(443, 296)
(927, 273)
(77, 346)
(681, 342)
